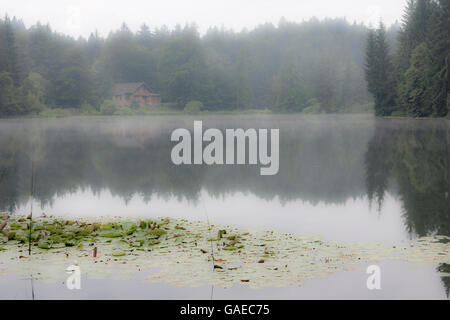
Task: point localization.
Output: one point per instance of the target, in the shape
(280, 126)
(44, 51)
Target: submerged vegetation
(192, 253)
(50, 233)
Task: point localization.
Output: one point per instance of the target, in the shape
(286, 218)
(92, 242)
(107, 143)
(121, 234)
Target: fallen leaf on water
(25, 258)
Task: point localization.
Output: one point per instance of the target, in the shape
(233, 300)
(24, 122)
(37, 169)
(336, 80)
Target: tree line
(414, 78)
(313, 66)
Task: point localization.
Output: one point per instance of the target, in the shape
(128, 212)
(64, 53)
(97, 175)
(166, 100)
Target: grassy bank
(171, 109)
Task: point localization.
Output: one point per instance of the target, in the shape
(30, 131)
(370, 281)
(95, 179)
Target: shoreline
(219, 113)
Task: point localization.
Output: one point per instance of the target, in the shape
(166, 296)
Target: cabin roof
(128, 88)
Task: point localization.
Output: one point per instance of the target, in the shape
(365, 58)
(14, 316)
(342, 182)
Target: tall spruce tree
(422, 63)
(371, 65)
(8, 58)
(414, 30)
(379, 71)
(439, 55)
(414, 92)
(289, 88)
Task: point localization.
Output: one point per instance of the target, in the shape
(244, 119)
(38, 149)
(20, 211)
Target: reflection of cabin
(125, 93)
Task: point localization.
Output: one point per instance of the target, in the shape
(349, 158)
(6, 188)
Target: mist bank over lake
(324, 161)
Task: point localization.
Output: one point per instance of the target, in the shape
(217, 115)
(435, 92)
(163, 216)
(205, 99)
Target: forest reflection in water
(333, 170)
(324, 160)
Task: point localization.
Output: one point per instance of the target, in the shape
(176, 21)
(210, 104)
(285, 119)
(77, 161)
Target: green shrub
(108, 107)
(312, 106)
(193, 107)
(32, 103)
(36, 84)
(124, 111)
(88, 109)
(56, 112)
(134, 104)
(357, 108)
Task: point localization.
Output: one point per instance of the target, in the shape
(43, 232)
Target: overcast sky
(84, 16)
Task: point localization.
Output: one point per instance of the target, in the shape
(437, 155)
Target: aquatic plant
(184, 253)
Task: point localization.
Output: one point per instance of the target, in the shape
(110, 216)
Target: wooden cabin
(125, 93)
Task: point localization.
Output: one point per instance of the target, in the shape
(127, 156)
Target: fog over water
(77, 18)
(346, 178)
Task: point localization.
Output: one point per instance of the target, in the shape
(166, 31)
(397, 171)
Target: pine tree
(145, 36)
(243, 90)
(9, 57)
(379, 71)
(371, 65)
(422, 64)
(439, 55)
(288, 88)
(386, 95)
(415, 30)
(93, 47)
(325, 85)
(414, 92)
(9, 99)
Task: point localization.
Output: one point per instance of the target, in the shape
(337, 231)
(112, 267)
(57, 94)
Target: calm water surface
(345, 177)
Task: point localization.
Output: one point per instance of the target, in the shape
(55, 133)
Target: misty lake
(349, 178)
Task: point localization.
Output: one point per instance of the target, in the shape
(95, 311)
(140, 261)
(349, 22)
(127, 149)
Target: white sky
(83, 16)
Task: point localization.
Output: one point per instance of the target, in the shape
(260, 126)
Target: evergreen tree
(289, 88)
(243, 89)
(325, 85)
(379, 72)
(414, 92)
(183, 67)
(371, 62)
(93, 47)
(439, 56)
(239, 70)
(72, 83)
(414, 30)
(422, 67)
(8, 57)
(9, 99)
(145, 36)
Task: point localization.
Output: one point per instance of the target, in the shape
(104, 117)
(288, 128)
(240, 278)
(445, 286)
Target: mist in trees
(413, 79)
(313, 66)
